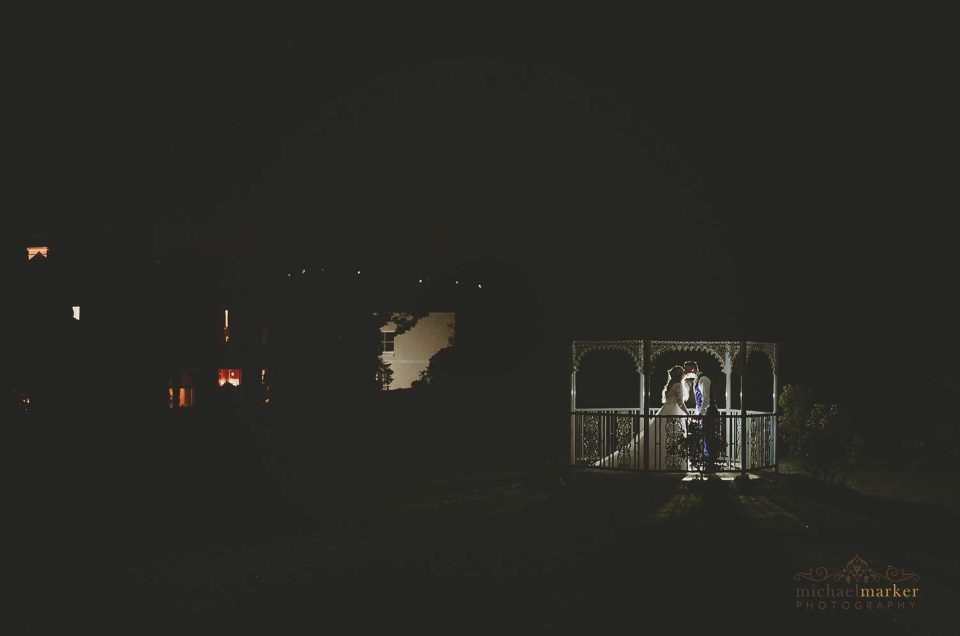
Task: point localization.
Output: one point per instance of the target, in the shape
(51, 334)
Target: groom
(701, 390)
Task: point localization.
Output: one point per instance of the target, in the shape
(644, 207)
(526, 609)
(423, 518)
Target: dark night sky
(818, 141)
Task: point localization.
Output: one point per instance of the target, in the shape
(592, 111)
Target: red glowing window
(231, 376)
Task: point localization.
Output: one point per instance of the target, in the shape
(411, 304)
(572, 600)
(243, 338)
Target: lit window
(231, 376)
(76, 312)
(386, 342)
(33, 250)
(181, 393)
(186, 397)
(226, 325)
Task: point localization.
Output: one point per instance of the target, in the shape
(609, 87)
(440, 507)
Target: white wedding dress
(671, 421)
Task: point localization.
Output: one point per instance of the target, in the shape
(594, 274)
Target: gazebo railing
(614, 438)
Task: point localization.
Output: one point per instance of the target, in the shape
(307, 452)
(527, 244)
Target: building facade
(408, 352)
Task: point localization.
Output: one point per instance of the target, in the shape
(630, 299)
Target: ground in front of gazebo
(523, 553)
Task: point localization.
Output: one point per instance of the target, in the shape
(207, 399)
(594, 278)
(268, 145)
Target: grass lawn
(510, 553)
(893, 481)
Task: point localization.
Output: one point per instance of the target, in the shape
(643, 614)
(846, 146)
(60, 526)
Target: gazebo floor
(722, 475)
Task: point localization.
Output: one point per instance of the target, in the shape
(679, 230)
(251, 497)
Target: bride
(667, 424)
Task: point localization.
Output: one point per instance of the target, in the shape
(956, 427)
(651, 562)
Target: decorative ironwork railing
(618, 439)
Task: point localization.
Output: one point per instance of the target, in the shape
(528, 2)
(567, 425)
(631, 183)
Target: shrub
(830, 449)
(796, 403)
(819, 437)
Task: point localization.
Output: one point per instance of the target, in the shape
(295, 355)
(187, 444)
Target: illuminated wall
(33, 250)
(413, 348)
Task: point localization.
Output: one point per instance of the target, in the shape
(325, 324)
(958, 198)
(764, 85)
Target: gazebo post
(643, 388)
(773, 365)
(573, 408)
(728, 372)
(774, 409)
(743, 409)
(727, 399)
(646, 411)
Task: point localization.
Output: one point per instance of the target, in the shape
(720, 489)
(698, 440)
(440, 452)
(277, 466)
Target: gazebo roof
(724, 351)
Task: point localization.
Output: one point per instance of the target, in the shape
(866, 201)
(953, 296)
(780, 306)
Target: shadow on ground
(588, 551)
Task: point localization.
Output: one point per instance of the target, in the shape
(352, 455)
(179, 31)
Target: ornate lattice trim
(633, 348)
(770, 350)
(720, 350)
(717, 349)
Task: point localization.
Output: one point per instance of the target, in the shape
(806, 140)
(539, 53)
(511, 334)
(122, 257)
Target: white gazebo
(637, 438)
